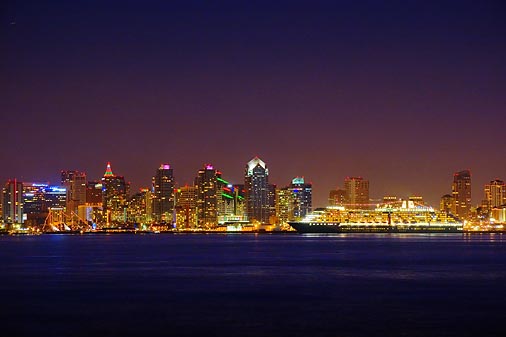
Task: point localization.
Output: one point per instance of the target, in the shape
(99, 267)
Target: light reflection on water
(354, 284)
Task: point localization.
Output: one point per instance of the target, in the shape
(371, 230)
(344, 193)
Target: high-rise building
(260, 195)
(12, 202)
(447, 203)
(284, 205)
(357, 192)
(302, 197)
(186, 207)
(230, 201)
(114, 196)
(206, 189)
(495, 193)
(139, 208)
(163, 194)
(337, 197)
(75, 185)
(461, 192)
(34, 203)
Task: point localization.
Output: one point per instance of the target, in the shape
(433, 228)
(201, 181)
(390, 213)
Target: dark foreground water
(253, 285)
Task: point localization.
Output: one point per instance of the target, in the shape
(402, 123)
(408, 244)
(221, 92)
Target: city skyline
(478, 194)
(403, 94)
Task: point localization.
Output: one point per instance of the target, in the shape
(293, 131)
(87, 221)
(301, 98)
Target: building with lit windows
(114, 197)
(206, 190)
(461, 192)
(230, 202)
(186, 207)
(34, 203)
(495, 194)
(447, 203)
(284, 205)
(12, 202)
(337, 197)
(139, 209)
(357, 192)
(302, 197)
(260, 195)
(163, 194)
(75, 185)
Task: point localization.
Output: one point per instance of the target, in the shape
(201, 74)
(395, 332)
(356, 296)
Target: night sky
(403, 93)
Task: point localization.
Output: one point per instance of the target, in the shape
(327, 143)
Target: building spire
(108, 171)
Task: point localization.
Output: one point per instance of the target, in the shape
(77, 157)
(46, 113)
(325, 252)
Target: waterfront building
(163, 194)
(186, 207)
(139, 209)
(461, 192)
(12, 202)
(495, 194)
(55, 197)
(260, 195)
(357, 192)
(34, 203)
(447, 203)
(284, 205)
(206, 189)
(337, 197)
(230, 201)
(94, 193)
(114, 197)
(302, 197)
(75, 185)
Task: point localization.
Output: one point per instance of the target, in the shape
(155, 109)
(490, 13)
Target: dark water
(253, 285)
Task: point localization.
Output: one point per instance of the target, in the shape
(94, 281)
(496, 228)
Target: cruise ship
(403, 216)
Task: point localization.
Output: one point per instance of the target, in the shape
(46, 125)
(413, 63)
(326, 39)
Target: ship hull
(306, 227)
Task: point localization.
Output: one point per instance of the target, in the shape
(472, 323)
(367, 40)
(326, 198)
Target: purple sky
(403, 93)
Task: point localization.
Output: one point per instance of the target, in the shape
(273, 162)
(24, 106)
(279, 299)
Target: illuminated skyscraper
(139, 208)
(256, 184)
(206, 190)
(302, 197)
(186, 207)
(114, 196)
(447, 203)
(357, 192)
(495, 193)
(75, 185)
(337, 197)
(461, 192)
(284, 205)
(12, 202)
(163, 194)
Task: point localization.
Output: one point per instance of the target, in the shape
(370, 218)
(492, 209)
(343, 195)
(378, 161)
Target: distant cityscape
(212, 203)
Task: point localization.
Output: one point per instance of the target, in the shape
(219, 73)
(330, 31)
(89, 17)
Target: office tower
(260, 195)
(447, 203)
(34, 203)
(206, 190)
(55, 197)
(114, 196)
(186, 207)
(357, 192)
(302, 197)
(337, 197)
(139, 207)
(284, 205)
(12, 202)
(495, 193)
(75, 185)
(94, 193)
(461, 192)
(163, 194)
